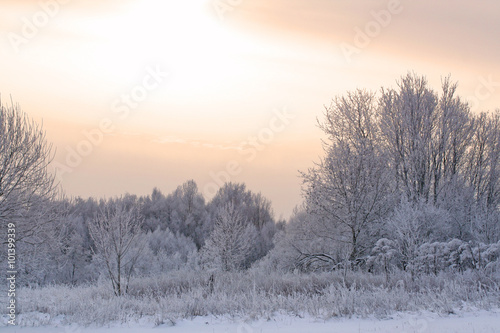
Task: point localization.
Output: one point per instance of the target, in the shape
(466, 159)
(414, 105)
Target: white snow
(478, 322)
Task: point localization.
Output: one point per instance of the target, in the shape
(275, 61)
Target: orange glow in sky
(137, 94)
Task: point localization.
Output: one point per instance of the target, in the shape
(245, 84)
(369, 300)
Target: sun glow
(184, 36)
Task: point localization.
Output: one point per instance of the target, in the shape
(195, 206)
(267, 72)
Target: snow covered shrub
(382, 258)
(492, 258)
(412, 225)
(454, 256)
(430, 258)
(451, 255)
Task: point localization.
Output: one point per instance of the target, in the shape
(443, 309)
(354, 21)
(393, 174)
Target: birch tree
(115, 231)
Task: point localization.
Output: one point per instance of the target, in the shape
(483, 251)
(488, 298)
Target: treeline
(54, 240)
(146, 235)
(410, 180)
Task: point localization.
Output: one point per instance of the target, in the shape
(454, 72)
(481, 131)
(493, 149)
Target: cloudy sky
(136, 94)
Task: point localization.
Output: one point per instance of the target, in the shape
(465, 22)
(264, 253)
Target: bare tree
(25, 183)
(408, 119)
(426, 135)
(347, 190)
(483, 176)
(189, 212)
(232, 240)
(453, 133)
(254, 207)
(115, 231)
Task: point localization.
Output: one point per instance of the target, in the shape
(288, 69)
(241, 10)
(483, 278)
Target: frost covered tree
(483, 176)
(189, 212)
(442, 154)
(164, 252)
(183, 211)
(231, 241)
(255, 208)
(302, 247)
(75, 246)
(115, 231)
(408, 116)
(157, 211)
(427, 136)
(413, 145)
(452, 135)
(347, 190)
(25, 183)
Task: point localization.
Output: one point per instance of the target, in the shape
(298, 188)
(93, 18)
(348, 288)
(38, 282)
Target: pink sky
(209, 79)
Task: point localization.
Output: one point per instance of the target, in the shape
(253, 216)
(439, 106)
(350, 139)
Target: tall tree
(483, 176)
(347, 190)
(190, 213)
(408, 118)
(453, 131)
(255, 208)
(25, 183)
(115, 231)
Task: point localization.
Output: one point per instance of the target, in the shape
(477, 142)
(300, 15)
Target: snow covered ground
(478, 322)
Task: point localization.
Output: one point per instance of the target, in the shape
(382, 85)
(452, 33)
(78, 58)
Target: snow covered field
(477, 321)
(319, 302)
